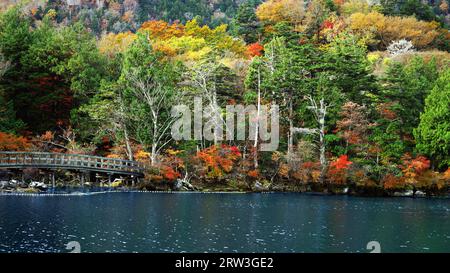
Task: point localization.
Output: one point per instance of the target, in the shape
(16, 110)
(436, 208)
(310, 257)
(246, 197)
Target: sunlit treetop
(349, 7)
(192, 41)
(380, 30)
(276, 11)
(162, 30)
(112, 44)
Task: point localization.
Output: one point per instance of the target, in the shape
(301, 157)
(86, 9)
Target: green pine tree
(433, 133)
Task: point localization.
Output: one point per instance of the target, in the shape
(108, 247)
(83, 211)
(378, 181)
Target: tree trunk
(216, 117)
(153, 156)
(258, 116)
(291, 129)
(122, 123)
(128, 145)
(155, 140)
(323, 160)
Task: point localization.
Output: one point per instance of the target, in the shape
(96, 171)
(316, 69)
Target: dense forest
(101, 16)
(372, 78)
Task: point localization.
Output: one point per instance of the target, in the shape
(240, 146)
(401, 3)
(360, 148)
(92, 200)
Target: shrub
(217, 160)
(412, 168)
(392, 182)
(9, 142)
(338, 170)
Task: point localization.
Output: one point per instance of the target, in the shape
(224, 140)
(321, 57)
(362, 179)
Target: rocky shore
(20, 186)
(36, 187)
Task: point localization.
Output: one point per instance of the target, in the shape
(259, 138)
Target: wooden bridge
(75, 162)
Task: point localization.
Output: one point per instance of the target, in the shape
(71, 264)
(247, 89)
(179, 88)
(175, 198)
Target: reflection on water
(161, 222)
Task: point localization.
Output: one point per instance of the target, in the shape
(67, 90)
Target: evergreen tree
(415, 8)
(433, 132)
(407, 86)
(15, 36)
(418, 9)
(245, 23)
(8, 121)
(346, 61)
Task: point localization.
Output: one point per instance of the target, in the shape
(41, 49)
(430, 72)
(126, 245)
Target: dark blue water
(184, 222)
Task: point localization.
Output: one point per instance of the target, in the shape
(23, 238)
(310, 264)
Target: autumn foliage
(342, 163)
(218, 160)
(276, 11)
(9, 142)
(380, 30)
(414, 167)
(414, 172)
(167, 168)
(112, 44)
(171, 165)
(190, 41)
(254, 49)
(385, 110)
(338, 169)
(253, 174)
(163, 30)
(391, 182)
(446, 175)
(308, 172)
(354, 124)
(142, 156)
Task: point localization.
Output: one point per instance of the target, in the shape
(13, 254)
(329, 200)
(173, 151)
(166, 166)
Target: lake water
(196, 222)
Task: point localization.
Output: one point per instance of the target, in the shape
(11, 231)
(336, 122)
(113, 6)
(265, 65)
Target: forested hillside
(362, 86)
(116, 16)
(123, 15)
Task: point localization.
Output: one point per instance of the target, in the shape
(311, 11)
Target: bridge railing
(69, 161)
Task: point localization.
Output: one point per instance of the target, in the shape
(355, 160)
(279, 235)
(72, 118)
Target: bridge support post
(91, 177)
(52, 177)
(109, 180)
(82, 179)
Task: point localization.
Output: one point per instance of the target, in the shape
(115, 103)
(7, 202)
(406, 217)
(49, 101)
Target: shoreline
(76, 192)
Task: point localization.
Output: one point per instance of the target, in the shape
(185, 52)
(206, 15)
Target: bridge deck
(18, 160)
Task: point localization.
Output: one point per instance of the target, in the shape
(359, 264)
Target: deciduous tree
(149, 84)
(275, 11)
(354, 125)
(379, 31)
